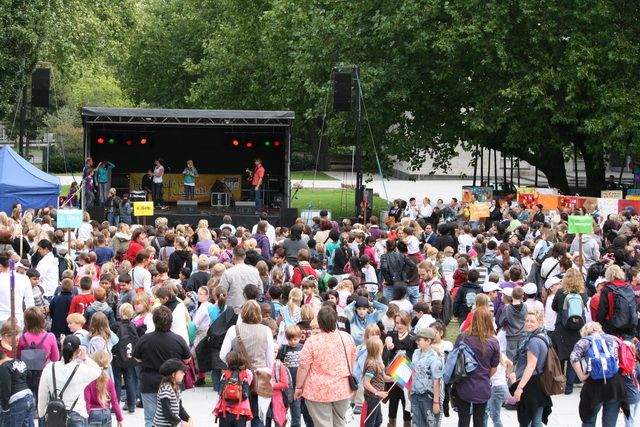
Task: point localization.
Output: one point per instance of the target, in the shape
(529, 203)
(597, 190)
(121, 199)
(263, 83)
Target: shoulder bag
(353, 382)
(261, 383)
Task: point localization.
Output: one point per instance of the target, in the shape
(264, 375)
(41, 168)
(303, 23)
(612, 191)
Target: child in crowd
(126, 290)
(233, 408)
(59, 307)
(360, 317)
(530, 291)
(99, 306)
(512, 319)
(310, 291)
(107, 282)
(551, 286)
(422, 318)
(373, 384)
(387, 320)
(499, 390)
(37, 290)
(100, 396)
(280, 380)
(289, 355)
(170, 412)
(16, 399)
(632, 382)
(427, 378)
(76, 322)
(123, 363)
(358, 368)
(345, 288)
(307, 315)
(81, 301)
(370, 276)
(289, 315)
(460, 275)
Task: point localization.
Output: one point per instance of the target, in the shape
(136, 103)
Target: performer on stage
(147, 184)
(256, 183)
(101, 178)
(190, 174)
(158, 172)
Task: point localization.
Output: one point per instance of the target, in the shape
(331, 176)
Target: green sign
(580, 224)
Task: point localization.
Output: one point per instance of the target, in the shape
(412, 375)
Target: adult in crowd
(23, 296)
(151, 351)
(112, 207)
(136, 245)
(271, 231)
(256, 183)
(606, 315)
(340, 258)
(48, 268)
(79, 370)
(180, 258)
(475, 388)
(255, 341)
(322, 236)
(323, 375)
(85, 230)
(235, 279)
(394, 267)
(551, 266)
(534, 406)
(167, 248)
(293, 244)
(120, 241)
(565, 338)
(590, 249)
(608, 394)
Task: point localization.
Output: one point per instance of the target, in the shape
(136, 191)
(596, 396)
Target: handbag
(390, 220)
(353, 382)
(261, 384)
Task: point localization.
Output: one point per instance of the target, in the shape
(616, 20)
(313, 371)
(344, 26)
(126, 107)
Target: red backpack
(235, 386)
(626, 358)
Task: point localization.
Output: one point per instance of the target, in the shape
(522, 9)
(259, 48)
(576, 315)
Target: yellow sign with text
(173, 185)
(143, 208)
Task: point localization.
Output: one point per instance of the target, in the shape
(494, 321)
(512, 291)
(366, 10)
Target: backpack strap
(42, 341)
(546, 341)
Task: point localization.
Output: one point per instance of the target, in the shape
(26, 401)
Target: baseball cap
(428, 333)
(507, 291)
(598, 281)
(530, 289)
(362, 302)
(490, 287)
(171, 366)
(552, 281)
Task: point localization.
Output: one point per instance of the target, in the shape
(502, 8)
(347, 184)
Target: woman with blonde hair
(475, 388)
(565, 338)
(205, 240)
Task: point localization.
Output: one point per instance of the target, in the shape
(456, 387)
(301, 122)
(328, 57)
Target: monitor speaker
(342, 91)
(187, 207)
(40, 87)
(288, 216)
(245, 208)
(96, 213)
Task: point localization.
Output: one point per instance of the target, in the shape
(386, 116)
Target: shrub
(301, 163)
(56, 163)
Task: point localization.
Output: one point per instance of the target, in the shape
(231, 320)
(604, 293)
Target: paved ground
(200, 402)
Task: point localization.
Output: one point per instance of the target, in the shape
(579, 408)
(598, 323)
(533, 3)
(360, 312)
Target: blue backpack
(460, 361)
(601, 363)
(573, 312)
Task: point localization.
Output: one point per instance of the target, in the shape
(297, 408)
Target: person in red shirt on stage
(256, 183)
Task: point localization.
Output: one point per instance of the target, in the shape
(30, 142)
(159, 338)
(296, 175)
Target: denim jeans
(610, 409)
(150, 403)
(387, 291)
(216, 374)
(257, 196)
(189, 192)
(126, 219)
(375, 419)
(114, 219)
(103, 192)
(498, 397)
(537, 418)
(422, 410)
(20, 413)
(74, 419)
(633, 415)
(572, 377)
(296, 408)
(100, 418)
(413, 293)
(157, 194)
(130, 383)
(89, 198)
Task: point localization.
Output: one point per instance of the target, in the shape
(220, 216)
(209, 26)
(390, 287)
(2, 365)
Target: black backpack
(214, 339)
(123, 350)
(625, 314)
(56, 413)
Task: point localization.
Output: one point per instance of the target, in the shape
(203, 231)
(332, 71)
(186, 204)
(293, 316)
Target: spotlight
(143, 141)
(249, 144)
(267, 143)
(111, 141)
(277, 143)
(100, 140)
(235, 143)
(129, 142)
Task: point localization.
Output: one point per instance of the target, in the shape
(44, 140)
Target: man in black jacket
(466, 296)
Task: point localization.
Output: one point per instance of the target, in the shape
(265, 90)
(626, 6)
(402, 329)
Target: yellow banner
(479, 210)
(173, 185)
(143, 208)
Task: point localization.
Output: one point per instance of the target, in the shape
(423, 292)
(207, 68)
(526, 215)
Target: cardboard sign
(69, 218)
(142, 208)
(633, 192)
(580, 224)
(611, 194)
(479, 210)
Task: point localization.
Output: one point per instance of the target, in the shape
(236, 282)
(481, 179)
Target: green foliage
(301, 163)
(57, 163)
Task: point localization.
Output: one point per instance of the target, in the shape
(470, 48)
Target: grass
(308, 175)
(341, 202)
(65, 190)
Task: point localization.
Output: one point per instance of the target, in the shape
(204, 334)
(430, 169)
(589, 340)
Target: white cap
(490, 287)
(530, 289)
(552, 281)
(19, 265)
(598, 281)
(507, 291)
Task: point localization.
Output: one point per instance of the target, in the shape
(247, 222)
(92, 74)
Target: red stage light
(249, 144)
(235, 142)
(129, 142)
(277, 143)
(100, 140)
(143, 141)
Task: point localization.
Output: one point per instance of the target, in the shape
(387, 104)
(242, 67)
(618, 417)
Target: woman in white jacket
(80, 369)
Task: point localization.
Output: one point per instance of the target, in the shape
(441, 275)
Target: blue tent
(23, 183)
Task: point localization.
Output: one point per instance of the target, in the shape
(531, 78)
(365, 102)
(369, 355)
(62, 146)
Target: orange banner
(479, 210)
(173, 185)
(548, 201)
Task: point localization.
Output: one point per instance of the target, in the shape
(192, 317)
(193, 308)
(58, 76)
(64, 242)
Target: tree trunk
(551, 163)
(313, 141)
(594, 166)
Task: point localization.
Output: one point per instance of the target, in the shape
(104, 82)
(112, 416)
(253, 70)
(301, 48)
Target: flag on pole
(401, 370)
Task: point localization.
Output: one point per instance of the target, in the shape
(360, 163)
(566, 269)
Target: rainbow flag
(400, 370)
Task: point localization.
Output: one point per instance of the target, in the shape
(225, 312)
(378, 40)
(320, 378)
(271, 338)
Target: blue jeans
(257, 196)
(413, 293)
(157, 194)
(422, 410)
(89, 198)
(20, 413)
(537, 418)
(633, 415)
(150, 403)
(498, 396)
(216, 374)
(572, 377)
(126, 219)
(130, 383)
(610, 409)
(375, 419)
(114, 219)
(100, 418)
(74, 419)
(103, 192)
(189, 192)
(296, 408)
(387, 292)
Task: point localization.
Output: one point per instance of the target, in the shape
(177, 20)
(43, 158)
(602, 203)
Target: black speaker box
(40, 87)
(187, 207)
(288, 216)
(342, 91)
(96, 213)
(245, 208)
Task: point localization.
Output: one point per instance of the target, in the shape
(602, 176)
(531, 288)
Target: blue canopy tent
(23, 183)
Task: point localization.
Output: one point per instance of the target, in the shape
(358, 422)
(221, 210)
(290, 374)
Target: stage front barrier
(173, 185)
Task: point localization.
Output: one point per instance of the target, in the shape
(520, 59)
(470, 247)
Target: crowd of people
(301, 324)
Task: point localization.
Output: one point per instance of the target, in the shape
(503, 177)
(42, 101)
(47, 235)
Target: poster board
(580, 224)
(69, 218)
(611, 194)
(484, 194)
(143, 208)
